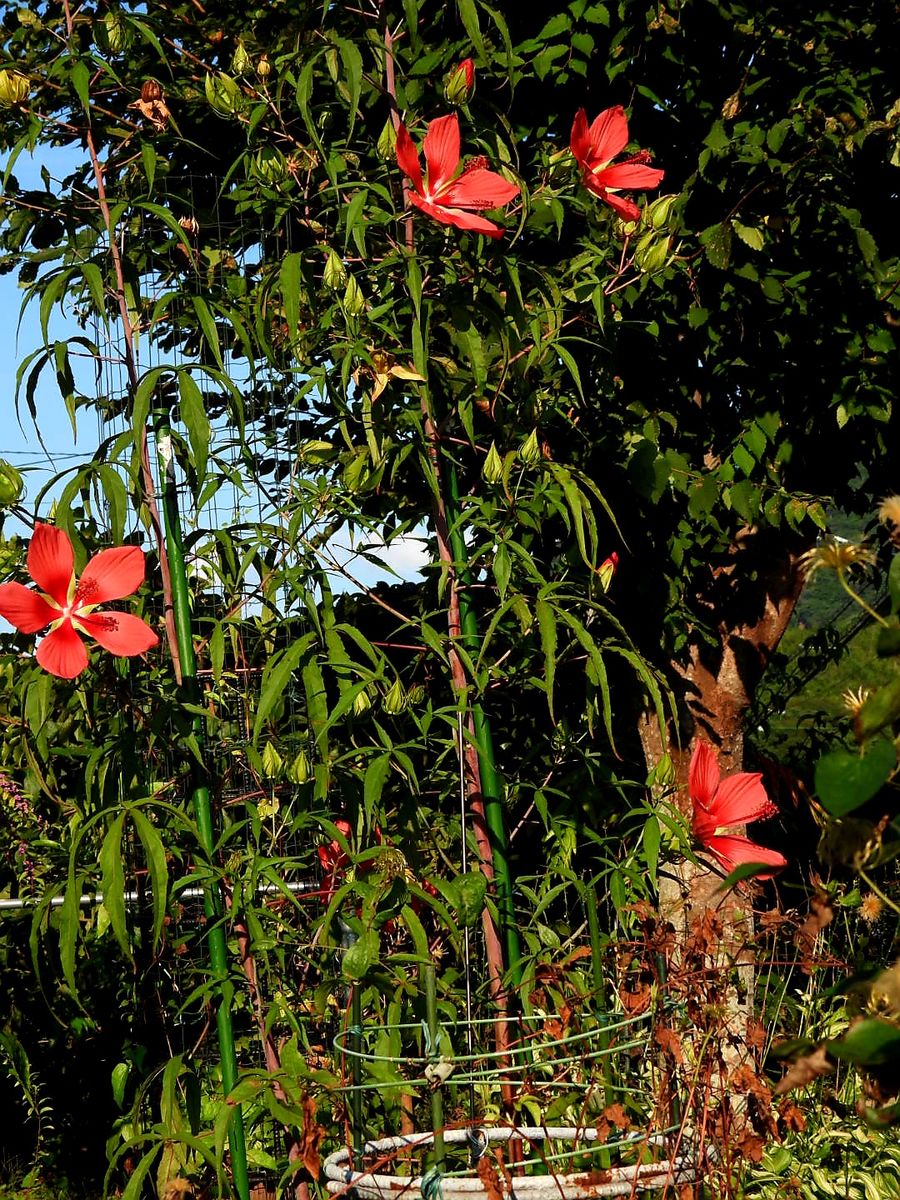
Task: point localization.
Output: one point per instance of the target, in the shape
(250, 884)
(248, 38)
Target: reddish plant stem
(270, 1049)
(474, 795)
(149, 487)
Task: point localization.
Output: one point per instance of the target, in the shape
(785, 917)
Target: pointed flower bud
(460, 83)
(493, 466)
(222, 94)
(335, 275)
(530, 450)
(395, 701)
(607, 569)
(659, 212)
(241, 62)
(354, 302)
(298, 771)
(272, 762)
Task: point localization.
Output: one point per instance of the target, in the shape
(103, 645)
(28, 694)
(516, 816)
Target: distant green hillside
(829, 649)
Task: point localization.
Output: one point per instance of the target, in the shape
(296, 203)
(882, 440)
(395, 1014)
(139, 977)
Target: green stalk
(484, 744)
(213, 905)
(356, 1094)
(437, 1100)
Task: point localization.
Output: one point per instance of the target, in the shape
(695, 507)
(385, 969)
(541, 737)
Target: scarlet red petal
(479, 189)
(580, 141)
(441, 147)
(62, 652)
(703, 776)
(25, 609)
(456, 217)
(110, 575)
(731, 851)
(51, 562)
(608, 134)
(119, 633)
(627, 209)
(632, 176)
(742, 798)
(408, 159)
(465, 220)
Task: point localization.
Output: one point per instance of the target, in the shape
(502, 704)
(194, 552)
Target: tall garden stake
(213, 905)
(484, 744)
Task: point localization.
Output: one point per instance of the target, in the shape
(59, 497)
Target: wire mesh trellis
(578, 1076)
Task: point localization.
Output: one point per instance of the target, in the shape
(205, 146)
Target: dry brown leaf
(804, 1070)
(490, 1180)
(750, 1146)
(670, 1042)
(310, 1139)
(615, 1114)
(791, 1115)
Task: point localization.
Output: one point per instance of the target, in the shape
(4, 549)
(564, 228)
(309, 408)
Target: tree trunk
(750, 597)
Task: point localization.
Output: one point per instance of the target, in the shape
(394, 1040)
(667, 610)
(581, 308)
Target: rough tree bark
(750, 597)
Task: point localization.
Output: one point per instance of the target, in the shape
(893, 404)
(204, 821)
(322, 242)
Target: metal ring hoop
(579, 1185)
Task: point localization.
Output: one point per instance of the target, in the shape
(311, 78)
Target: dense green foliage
(314, 361)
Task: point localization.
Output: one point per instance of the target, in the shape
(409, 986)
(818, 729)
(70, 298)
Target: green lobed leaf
(846, 779)
(358, 959)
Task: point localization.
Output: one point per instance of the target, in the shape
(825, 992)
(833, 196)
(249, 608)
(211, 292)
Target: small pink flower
(720, 803)
(596, 146)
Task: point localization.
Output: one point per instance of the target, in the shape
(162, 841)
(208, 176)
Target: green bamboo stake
(212, 899)
(484, 744)
(356, 1095)
(437, 1100)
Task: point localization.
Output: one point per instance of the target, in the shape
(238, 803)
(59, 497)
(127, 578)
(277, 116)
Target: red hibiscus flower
(69, 608)
(596, 146)
(445, 196)
(334, 861)
(719, 803)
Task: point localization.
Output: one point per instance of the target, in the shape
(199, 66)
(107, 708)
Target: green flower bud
(264, 67)
(396, 699)
(223, 94)
(664, 772)
(659, 212)
(415, 696)
(387, 140)
(298, 771)
(530, 450)
(607, 569)
(460, 83)
(272, 762)
(493, 466)
(335, 275)
(14, 88)
(651, 253)
(241, 63)
(11, 484)
(269, 165)
(354, 302)
(361, 702)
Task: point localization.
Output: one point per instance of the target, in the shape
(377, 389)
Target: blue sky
(19, 440)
